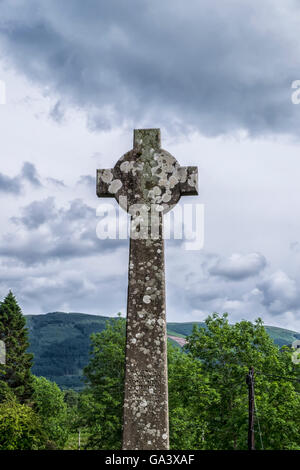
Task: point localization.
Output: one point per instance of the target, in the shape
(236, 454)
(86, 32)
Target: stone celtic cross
(147, 182)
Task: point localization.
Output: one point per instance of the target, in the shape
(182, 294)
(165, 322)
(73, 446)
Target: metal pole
(250, 383)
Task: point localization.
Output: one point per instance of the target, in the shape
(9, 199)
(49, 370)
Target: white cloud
(280, 293)
(238, 266)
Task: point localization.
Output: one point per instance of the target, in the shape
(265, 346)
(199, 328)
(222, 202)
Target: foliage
(226, 353)
(5, 391)
(16, 371)
(71, 398)
(52, 410)
(190, 398)
(20, 427)
(101, 404)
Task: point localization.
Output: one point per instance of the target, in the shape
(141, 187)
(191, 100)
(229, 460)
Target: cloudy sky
(216, 77)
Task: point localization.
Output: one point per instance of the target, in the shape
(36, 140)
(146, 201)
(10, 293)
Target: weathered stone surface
(148, 175)
(147, 182)
(146, 383)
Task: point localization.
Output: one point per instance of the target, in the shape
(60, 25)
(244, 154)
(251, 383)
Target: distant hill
(60, 343)
(280, 336)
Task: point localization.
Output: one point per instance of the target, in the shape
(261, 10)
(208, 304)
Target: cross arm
(189, 180)
(104, 180)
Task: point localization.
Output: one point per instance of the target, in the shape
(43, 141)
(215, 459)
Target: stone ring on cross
(148, 175)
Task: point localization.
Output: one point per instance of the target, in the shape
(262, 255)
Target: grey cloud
(36, 213)
(29, 173)
(14, 185)
(51, 233)
(87, 180)
(78, 211)
(55, 182)
(88, 183)
(10, 185)
(280, 293)
(239, 267)
(57, 113)
(205, 293)
(216, 68)
(43, 288)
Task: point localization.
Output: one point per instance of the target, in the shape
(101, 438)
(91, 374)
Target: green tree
(101, 404)
(51, 408)
(71, 398)
(226, 353)
(74, 422)
(13, 332)
(190, 398)
(20, 427)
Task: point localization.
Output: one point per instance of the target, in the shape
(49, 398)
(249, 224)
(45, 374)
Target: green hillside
(60, 343)
(279, 335)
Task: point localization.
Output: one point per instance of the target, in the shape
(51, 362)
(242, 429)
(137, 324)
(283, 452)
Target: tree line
(208, 395)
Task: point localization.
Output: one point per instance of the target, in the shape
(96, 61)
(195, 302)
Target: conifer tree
(15, 374)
